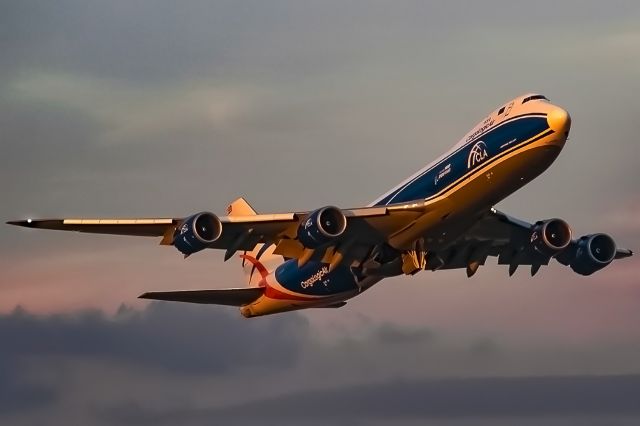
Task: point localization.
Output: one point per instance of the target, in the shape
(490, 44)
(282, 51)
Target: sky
(167, 108)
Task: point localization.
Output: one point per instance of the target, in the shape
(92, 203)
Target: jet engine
(196, 232)
(321, 227)
(593, 252)
(550, 237)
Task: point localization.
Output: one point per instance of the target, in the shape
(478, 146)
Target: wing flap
(228, 297)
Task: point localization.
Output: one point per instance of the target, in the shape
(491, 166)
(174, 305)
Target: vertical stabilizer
(261, 261)
(240, 207)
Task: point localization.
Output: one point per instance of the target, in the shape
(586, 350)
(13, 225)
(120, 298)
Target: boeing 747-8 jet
(442, 217)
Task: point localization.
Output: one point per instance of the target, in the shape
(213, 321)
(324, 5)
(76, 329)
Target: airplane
(442, 217)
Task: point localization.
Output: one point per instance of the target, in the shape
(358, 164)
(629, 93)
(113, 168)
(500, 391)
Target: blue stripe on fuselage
(455, 166)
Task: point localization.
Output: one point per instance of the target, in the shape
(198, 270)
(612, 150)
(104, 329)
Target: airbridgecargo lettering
(305, 279)
(442, 173)
(485, 126)
(315, 278)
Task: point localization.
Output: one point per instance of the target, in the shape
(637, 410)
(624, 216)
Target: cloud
(163, 336)
(397, 402)
(19, 392)
(60, 363)
(130, 113)
(171, 362)
(486, 397)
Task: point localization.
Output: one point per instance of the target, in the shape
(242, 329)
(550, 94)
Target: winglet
(28, 223)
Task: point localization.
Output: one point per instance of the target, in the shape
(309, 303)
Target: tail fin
(240, 207)
(261, 261)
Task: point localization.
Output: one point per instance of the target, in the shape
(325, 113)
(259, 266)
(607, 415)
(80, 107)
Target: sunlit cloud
(130, 112)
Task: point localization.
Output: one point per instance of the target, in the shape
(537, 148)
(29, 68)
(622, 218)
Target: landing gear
(414, 261)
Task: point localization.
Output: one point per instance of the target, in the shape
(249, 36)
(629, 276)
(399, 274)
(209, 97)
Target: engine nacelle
(196, 232)
(550, 237)
(321, 227)
(593, 252)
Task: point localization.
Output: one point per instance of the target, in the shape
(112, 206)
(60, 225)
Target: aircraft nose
(559, 120)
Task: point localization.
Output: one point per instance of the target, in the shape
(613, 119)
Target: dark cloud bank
(164, 336)
(178, 344)
(485, 398)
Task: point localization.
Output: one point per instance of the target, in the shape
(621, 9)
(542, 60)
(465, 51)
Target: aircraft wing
(499, 235)
(366, 227)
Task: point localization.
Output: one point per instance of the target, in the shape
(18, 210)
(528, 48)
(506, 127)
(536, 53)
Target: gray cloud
(172, 362)
(162, 336)
(349, 102)
(18, 393)
(486, 397)
(321, 80)
(43, 358)
(545, 398)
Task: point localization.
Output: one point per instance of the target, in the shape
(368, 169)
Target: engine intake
(593, 253)
(196, 232)
(321, 227)
(550, 237)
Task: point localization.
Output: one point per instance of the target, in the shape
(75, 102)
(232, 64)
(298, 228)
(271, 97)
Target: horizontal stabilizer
(229, 297)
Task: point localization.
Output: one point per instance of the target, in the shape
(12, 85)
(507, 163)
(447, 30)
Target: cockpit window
(533, 98)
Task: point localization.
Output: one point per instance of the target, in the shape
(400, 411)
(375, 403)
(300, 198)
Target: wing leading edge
(494, 234)
(367, 227)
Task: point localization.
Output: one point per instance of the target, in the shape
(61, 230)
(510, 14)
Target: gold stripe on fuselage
(489, 183)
